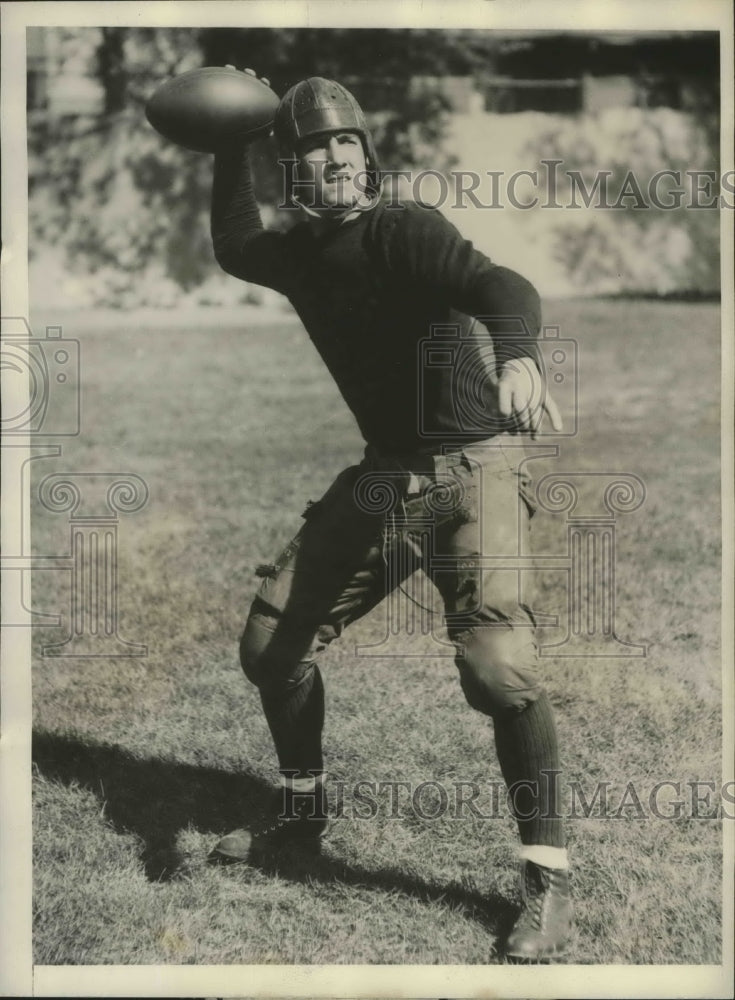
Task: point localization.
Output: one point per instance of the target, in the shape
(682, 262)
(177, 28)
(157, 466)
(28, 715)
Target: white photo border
(19, 976)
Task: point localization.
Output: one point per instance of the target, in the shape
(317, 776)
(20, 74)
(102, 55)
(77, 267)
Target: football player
(371, 280)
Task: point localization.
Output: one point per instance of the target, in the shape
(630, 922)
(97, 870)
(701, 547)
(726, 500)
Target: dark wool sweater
(387, 299)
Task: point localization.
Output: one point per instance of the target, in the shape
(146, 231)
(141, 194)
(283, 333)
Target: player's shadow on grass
(490, 909)
(152, 798)
(157, 799)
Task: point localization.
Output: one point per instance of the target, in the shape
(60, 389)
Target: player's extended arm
(430, 250)
(242, 246)
(426, 249)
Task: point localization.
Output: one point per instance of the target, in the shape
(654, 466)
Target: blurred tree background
(123, 202)
(128, 212)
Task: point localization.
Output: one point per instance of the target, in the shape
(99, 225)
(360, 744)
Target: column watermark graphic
(42, 403)
(93, 501)
(590, 559)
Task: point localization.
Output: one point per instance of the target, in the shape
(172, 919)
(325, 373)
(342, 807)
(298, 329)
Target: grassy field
(141, 763)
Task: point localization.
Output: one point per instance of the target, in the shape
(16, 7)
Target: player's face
(331, 170)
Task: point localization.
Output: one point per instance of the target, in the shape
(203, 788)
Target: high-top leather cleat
(300, 819)
(544, 925)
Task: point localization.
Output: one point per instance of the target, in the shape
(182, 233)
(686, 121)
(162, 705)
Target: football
(204, 109)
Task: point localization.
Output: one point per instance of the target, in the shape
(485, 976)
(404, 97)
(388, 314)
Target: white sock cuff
(547, 857)
(302, 785)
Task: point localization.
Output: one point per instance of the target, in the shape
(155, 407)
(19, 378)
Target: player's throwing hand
(522, 395)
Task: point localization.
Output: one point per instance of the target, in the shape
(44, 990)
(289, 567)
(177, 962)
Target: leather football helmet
(318, 105)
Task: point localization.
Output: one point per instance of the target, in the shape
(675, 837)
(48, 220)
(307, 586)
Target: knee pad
(254, 644)
(273, 654)
(498, 668)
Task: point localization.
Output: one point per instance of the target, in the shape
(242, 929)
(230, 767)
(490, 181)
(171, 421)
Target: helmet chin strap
(363, 203)
(312, 211)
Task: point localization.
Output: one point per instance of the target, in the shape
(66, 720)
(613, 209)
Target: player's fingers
(251, 72)
(505, 397)
(553, 411)
(522, 410)
(534, 418)
(230, 66)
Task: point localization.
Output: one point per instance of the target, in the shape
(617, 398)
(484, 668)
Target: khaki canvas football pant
(457, 516)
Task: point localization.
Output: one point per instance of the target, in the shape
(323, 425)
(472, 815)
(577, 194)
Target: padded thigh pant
(462, 517)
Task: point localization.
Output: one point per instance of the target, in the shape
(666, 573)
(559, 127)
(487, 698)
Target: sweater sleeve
(423, 247)
(242, 246)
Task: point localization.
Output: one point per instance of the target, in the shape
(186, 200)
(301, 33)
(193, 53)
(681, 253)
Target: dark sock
(527, 750)
(296, 720)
